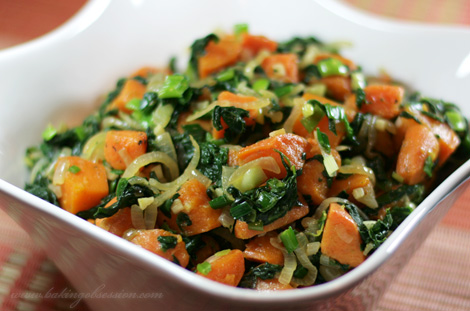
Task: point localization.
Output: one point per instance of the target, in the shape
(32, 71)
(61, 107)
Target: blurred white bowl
(60, 76)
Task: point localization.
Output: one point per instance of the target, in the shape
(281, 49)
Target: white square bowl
(60, 76)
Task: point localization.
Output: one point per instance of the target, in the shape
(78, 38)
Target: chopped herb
(183, 220)
(74, 169)
(193, 244)
(428, 166)
(407, 115)
(266, 271)
(360, 98)
(289, 240)
(167, 242)
(166, 207)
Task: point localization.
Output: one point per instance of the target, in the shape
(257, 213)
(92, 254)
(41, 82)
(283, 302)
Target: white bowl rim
(85, 17)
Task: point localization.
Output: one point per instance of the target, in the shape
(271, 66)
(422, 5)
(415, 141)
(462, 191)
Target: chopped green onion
(173, 87)
(397, 177)
(261, 84)
(49, 132)
(283, 90)
(257, 225)
(358, 80)
(240, 210)
(332, 67)
(307, 110)
(133, 104)
(289, 240)
(428, 166)
(239, 29)
(329, 161)
(300, 272)
(219, 202)
(117, 172)
(142, 118)
(172, 64)
(316, 89)
(80, 132)
(330, 165)
(74, 169)
(226, 75)
(456, 120)
(204, 268)
(222, 253)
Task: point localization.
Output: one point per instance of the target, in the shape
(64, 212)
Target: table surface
(436, 278)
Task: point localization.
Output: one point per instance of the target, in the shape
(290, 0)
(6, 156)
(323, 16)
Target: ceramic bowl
(60, 76)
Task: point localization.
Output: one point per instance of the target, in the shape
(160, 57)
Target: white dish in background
(61, 75)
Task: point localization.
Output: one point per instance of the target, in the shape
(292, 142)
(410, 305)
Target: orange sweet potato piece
(292, 146)
(312, 182)
(383, 100)
(402, 125)
(148, 71)
(219, 55)
(194, 198)
(337, 87)
(282, 67)
(243, 232)
(348, 184)
(226, 268)
(131, 89)
(260, 249)
(341, 239)
(418, 144)
(130, 143)
(271, 285)
(84, 189)
(118, 223)
(255, 44)
(148, 239)
(448, 139)
(384, 144)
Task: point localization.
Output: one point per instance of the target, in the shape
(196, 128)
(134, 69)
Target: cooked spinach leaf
(212, 159)
(234, 119)
(268, 203)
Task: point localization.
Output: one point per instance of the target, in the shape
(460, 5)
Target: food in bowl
(264, 165)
